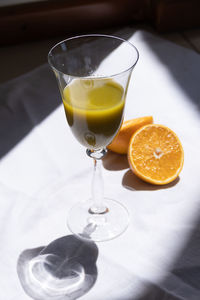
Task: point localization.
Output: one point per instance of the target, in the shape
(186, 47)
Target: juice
(94, 110)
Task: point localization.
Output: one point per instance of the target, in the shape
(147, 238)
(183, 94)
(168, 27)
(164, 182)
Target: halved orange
(155, 154)
(121, 141)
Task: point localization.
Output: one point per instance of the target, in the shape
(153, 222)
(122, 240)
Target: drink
(94, 110)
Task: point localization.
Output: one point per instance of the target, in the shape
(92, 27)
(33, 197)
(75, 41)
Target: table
(44, 171)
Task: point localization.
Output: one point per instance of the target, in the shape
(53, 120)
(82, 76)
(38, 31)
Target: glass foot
(98, 227)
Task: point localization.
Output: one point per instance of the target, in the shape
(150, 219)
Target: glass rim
(94, 35)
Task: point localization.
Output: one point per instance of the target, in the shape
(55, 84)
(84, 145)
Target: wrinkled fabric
(44, 171)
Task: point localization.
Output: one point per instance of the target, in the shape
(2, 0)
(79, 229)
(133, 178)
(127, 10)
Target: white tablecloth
(44, 171)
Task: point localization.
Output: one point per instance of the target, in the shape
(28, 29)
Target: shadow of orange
(131, 182)
(115, 162)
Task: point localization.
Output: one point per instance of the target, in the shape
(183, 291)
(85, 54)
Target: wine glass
(93, 73)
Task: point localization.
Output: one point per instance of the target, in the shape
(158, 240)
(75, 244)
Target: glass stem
(97, 206)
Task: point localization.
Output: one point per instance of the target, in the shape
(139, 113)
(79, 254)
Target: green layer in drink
(94, 110)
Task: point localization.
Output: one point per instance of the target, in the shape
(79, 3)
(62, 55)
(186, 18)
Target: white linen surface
(46, 172)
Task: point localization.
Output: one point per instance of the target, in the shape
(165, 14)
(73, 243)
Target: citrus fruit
(155, 154)
(121, 141)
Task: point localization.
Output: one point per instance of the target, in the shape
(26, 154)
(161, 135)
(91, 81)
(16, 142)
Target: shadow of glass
(65, 269)
(115, 162)
(131, 182)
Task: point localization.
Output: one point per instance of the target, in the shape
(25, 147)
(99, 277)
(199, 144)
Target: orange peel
(121, 141)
